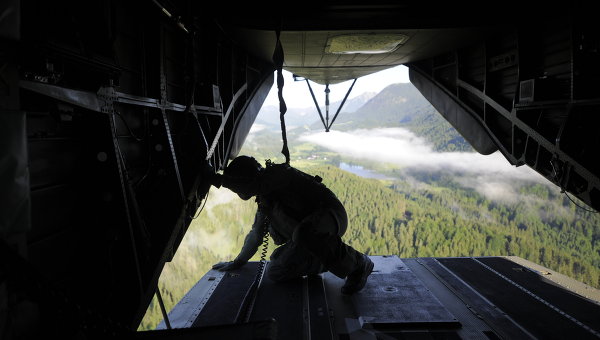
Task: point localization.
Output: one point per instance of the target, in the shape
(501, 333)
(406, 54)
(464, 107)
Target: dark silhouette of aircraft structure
(109, 110)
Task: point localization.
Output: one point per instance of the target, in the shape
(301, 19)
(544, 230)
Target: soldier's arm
(251, 243)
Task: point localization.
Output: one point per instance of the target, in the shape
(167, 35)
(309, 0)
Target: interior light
(373, 43)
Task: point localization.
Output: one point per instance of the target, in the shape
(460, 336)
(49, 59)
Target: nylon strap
(278, 60)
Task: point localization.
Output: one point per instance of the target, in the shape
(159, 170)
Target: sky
(297, 95)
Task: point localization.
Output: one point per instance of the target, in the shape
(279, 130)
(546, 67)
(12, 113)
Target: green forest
(435, 217)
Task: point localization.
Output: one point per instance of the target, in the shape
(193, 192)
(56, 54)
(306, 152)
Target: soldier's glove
(226, 266)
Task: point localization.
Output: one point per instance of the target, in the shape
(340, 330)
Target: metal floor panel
(283, 302)
(473, 324)
(395, 298)
(498, 321)
(224, 303)
(582, 309)
(395, 304)
(185, 313)
(416, 298)
(538, 316)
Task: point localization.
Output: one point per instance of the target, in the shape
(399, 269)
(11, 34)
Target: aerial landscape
(412, 187)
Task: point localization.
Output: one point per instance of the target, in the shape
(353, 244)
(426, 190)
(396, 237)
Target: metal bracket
(89, 100)
(105, 100)
(224, 121)
(325, 121)
(163, 90)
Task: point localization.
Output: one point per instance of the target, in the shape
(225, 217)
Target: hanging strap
(278, 60)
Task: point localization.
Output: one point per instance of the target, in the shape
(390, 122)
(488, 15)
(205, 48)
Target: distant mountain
(402, 105)
(269, 117)
(295, 117)
(396, 104)
(353, 104)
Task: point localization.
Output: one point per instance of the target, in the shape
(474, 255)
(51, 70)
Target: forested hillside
(442, 219)
(391, 217)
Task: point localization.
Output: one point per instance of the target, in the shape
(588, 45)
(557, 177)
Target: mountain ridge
(402, 105)
(294, 117)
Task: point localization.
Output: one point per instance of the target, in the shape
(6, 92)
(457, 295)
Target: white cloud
(256, 127)
(491, 175)
(219, 196)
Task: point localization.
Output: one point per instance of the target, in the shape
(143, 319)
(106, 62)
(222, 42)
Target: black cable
(203, 205)
(162, 308)
(245, 310)
(278, 60)
(202, 132)
(129, 128)
(122, 177)
(142, 226)
(562, 190)
(176, 19)
(262, 263)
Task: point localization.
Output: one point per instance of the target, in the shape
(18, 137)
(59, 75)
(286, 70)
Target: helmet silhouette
(243, 166)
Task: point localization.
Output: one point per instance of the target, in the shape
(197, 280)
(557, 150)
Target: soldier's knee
(304, 234)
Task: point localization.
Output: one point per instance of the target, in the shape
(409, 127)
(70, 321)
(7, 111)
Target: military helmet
(243, 166)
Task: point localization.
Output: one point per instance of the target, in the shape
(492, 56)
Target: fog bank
(491, 175)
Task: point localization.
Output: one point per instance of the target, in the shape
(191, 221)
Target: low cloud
(256, 128)
(219, 196)
(491, 175)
